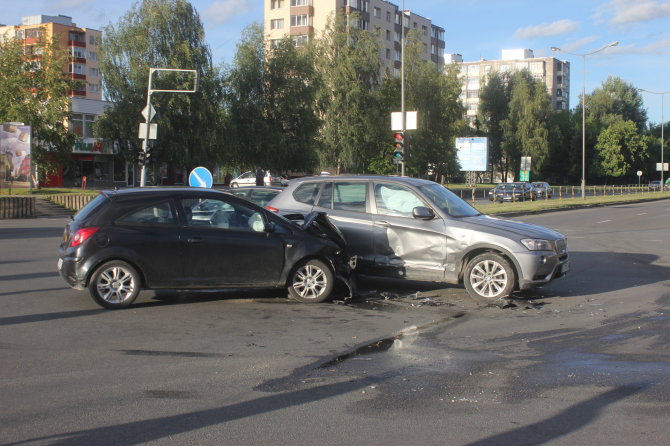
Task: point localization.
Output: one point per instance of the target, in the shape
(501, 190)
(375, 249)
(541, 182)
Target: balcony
(77, 43)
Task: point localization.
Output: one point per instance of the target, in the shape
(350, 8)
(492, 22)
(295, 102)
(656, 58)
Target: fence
(17, 207)
(74, 202)
(567, 192)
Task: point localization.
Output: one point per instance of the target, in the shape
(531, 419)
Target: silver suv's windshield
(448, 202)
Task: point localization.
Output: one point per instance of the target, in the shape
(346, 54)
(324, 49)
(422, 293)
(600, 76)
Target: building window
(93, 72)
(277, 24)
(388, 54)
(274, 43)
(301, 2)
(19, 34)
(93, 88)
(397, 55)
(397, 36)
(388, 16)
(79, 53)
(377, 12)
(299, 20)
(388, 35)
(33, 33)
(92, 55)
(77, 68)
(92, 40)
(275, 4)
(559, 79)
(82, 125)
(300, 40)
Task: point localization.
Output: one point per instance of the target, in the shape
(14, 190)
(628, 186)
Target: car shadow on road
(593, 273)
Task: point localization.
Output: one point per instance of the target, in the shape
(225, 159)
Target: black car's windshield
(447, 201)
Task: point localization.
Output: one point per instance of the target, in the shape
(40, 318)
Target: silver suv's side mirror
(423, 213)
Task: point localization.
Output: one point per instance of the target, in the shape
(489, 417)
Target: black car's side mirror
(423, 213)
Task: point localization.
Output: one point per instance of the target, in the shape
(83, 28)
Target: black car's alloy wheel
(489, 276)
(114, 285)
(311, 281)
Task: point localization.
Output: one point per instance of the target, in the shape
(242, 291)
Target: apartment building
(92, 158)
(303, 20)
(554, 73)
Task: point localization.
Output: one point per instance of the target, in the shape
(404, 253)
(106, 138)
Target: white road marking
(604, 221)
(642, 213)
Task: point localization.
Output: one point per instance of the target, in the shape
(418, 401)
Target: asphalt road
(583, 360)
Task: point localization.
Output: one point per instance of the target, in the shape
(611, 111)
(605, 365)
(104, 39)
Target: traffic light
(399, 146)
(141, 158)
(148, 153)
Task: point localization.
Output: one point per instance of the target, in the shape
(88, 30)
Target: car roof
(323, 178)
(140, 192)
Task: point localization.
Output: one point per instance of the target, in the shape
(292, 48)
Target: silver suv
(416, 229)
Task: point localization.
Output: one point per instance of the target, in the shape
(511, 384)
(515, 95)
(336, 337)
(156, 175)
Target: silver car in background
(416, 229)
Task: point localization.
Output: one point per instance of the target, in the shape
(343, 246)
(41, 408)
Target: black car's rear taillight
(82, 235)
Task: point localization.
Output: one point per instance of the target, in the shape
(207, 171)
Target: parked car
(542, 189)
(656, 185)
(260, 195)
(417, 229)
(249, 179)
(182, 238)
(512, 192)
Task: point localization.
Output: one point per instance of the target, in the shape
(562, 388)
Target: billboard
(15, 154)
(473, 153)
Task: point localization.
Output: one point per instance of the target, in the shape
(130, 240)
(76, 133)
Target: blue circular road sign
(200, 177)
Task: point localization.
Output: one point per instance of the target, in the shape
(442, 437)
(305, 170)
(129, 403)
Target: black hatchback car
(180, 238)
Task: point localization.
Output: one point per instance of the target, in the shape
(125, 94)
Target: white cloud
(547, 29)
(632, 11)
(224, 11)
(578, 44)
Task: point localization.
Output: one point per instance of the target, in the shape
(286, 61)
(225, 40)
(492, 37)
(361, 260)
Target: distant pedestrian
(260, 177)
(227, 179)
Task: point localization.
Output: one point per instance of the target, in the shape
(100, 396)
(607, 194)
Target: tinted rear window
(91, 207)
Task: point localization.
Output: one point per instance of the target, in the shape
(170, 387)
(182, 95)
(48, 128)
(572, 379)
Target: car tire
(311, 281)
(489, 277)
(114, 285)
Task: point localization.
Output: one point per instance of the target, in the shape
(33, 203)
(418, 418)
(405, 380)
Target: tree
(434, 94)
(616, 99)
(493, 110)
(350, 136)
(35, 91)
(270, 99)
(526, 130)
(621, 150)
(162, 34)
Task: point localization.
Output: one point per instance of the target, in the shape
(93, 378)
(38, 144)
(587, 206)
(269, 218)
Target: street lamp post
(662, 94)
(583, 56)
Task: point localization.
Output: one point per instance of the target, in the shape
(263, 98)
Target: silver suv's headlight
(537, 244)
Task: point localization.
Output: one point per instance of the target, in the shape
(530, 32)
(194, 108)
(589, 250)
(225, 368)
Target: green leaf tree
(434, 94)
(621, 150)
(163, 34)
(494, 102)
(526, 130)
(271, 95)
(35, 91)
(348, 67)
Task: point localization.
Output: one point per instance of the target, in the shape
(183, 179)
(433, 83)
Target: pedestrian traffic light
(399, 146)
(148, 153)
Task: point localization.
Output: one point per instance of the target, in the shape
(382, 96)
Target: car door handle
(194, 240)
(383, 223)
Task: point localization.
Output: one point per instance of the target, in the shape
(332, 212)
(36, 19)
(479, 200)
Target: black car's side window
(326, 198)
(222, 215)
(155, 214)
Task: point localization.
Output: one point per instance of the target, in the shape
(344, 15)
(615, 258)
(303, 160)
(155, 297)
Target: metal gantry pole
(402, 84)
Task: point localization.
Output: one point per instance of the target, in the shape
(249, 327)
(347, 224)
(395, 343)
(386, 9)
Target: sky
(476, 29)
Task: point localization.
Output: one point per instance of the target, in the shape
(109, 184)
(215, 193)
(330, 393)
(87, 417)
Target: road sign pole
(143, 167)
